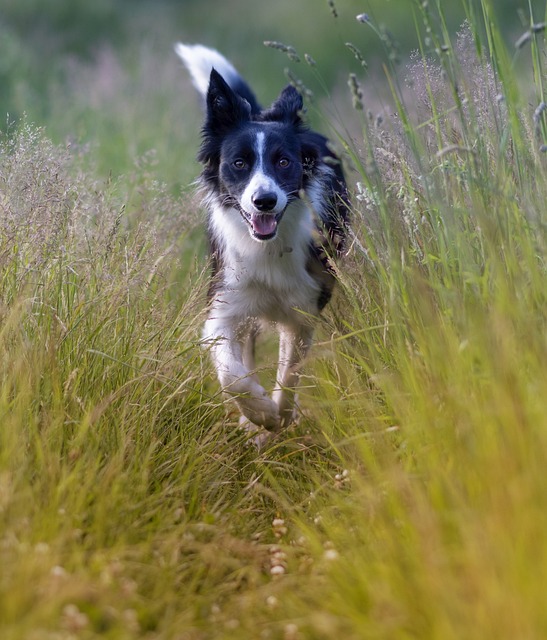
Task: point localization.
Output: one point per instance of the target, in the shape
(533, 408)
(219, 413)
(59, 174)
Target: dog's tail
(200, 61)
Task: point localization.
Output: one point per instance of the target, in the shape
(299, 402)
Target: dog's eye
(239, 163)
(283, 163)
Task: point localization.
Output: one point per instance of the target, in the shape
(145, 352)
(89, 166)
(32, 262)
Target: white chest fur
(265, 279)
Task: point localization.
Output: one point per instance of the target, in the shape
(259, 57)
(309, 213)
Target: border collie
(277, 214)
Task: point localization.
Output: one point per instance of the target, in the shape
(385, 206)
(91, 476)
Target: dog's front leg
(226, 339)
(294, 344)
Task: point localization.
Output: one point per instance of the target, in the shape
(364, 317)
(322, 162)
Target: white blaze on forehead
(260, 139)
(260, 181)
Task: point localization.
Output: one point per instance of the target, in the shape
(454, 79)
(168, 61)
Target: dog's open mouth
(263, 225)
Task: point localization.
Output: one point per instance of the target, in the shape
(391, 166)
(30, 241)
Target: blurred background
(102, 75)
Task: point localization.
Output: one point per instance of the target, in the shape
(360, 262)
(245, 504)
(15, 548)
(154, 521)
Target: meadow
(410, 501)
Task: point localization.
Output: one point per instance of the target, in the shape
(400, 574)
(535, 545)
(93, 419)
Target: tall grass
(410, 501)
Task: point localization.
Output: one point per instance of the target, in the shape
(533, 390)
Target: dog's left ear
(225, 108)
(287, 108)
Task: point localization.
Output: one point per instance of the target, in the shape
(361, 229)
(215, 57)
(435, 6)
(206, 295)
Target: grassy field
(411, 499)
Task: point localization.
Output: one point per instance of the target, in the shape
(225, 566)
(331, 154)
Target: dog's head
(255, 163)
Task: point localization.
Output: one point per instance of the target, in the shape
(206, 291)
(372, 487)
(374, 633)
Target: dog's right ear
(225, 108)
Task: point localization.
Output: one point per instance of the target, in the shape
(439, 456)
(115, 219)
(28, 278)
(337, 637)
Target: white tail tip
(200, 60)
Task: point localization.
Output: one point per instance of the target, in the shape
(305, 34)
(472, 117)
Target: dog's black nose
(265, 201)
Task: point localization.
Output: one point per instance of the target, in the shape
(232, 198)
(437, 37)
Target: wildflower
(310, 60)
(356, 92)
(357, 53)
(363, 17)
(278, 561)
(277, 570)
(279, 527)
(298, 84)
(278, 557)
(331, 554)
(341, 479)
(290, 51)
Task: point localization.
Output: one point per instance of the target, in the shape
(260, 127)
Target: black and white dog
(277, 213)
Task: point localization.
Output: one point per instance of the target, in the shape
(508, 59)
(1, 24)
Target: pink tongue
(263, 223)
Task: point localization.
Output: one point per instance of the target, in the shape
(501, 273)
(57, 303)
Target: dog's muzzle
(262, 224)
(264, 220)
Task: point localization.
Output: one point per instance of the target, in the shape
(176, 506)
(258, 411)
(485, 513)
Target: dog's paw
(253, 401)
(260, 410)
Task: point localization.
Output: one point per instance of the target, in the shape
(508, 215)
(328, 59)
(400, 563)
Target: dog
(278, 214)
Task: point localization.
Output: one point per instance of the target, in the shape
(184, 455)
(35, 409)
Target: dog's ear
(225, 108)
(287, 108)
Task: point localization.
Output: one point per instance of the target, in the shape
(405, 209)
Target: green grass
(409, 502)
